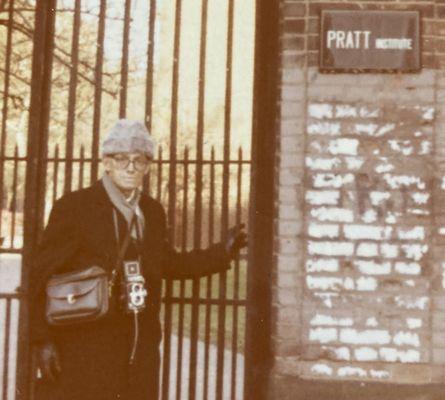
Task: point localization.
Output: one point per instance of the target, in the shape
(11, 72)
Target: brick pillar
(359, 253)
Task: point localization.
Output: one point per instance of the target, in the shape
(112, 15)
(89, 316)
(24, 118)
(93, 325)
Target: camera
(133, 285)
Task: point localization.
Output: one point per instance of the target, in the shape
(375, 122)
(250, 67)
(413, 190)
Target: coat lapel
(103, 214)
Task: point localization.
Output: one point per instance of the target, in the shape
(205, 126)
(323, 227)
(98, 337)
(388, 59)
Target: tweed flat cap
(128, 136)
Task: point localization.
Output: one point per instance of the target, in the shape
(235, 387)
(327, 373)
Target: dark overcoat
(94, 356)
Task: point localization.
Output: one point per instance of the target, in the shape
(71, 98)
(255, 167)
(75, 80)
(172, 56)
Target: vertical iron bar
(225, 201)
(172, 194)
(182, 283)
(39, 111)
(124, 65)
(6, 348)
(81, 166)
(98, 90)
(236, 281)
(198, 198)
(72, 97)
(5, 106)
(56, 173)
(261, 205)
(13, 205)
(209, 278)
(159, 178)
(150, 63)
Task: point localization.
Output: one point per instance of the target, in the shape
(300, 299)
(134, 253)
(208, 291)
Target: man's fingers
(56, 363)
(47, 372)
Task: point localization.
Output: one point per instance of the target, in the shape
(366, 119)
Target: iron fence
(93, 62)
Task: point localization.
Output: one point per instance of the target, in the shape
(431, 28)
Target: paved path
(200, 371)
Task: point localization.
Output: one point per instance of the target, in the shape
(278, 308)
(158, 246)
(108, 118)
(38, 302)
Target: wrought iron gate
(186, 67)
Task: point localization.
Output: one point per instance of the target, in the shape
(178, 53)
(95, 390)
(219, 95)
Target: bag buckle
(70, 299)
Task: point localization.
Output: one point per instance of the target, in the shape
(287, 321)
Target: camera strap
(120, 258)
(121, 252)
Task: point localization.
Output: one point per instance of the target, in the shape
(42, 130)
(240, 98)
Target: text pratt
(338, 39)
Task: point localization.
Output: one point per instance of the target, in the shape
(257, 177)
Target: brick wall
(359, 272)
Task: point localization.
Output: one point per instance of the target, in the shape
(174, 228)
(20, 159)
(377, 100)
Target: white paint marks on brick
(391, 218)
(367, 250)
(322, 265)
(412, 302)
(369, 216)
(372, 322)
(352, 372)
(417, 211)
(414, 323)
(366, 112)
(344, 146)
(420, 197)
(323, 319)
(369, 336)
(390, 354)
(322, 369)
(342, 353)
(320, 110)
(373, 268)
(414, 251)
(379, 374)
(366, 284)
(323, 335)
(366, 354)
(323, 230)
(331, 248)
(425, 147)
(366, 129)
(399, 181)
(326, 164)
(411, 268)
(384, 167)
(442, 230)
(406, 339)
(427, 112)
(416, 233)
(345, 111)
(389, 250)
(402, 146)
(323, 180)
(333, 214)
(326, 298)
(354, 163)
(378, 198)
(324, 128)
(329, 283)
(358, 232)
(383, 130)
(321, 197)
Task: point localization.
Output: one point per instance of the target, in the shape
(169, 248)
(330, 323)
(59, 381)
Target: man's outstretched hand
(236, 240)
(48, 361)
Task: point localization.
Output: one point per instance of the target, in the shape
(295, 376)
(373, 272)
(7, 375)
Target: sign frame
(323, 68)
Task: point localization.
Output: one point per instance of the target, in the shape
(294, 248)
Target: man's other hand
(48, 361)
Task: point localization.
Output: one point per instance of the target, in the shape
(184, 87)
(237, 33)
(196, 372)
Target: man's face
(126, 170)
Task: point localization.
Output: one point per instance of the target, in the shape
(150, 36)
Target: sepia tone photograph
(222, 199)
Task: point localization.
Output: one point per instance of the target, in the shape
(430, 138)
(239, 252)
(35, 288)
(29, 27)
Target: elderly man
(115, 356)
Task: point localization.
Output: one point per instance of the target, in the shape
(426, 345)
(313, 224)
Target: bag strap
(122, 249)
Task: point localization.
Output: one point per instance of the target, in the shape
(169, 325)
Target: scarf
(127, 207)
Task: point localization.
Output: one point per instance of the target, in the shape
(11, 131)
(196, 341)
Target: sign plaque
(370, 41)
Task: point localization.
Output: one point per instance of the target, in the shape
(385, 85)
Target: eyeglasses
(122, 162)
